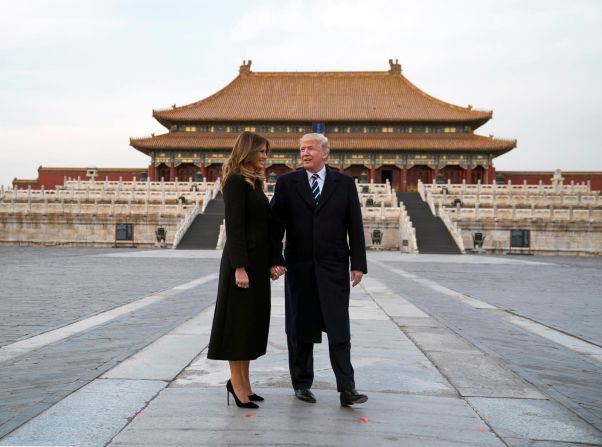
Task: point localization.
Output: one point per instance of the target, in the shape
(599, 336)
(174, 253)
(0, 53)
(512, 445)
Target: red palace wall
(49, 178)
(533, 178)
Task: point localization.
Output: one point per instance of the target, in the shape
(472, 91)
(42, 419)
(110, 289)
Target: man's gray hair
(317, 137)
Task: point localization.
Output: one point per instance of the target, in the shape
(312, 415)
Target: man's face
(312, 155)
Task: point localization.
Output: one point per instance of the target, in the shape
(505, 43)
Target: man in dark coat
(319, 210)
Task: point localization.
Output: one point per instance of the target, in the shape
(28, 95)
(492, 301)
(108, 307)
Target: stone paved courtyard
(107, 347)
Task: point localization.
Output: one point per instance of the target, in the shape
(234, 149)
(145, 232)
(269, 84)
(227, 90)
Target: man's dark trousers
(301, 364)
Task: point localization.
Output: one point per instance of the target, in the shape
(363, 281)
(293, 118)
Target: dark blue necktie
(315, 188)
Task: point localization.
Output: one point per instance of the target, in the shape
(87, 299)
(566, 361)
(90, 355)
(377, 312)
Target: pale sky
(79, 78)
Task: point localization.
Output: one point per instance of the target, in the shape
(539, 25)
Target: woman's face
(258, 159)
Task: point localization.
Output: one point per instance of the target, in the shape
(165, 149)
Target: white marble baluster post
(561, 194)
(589, 213)
(45, 200)
(532, 210)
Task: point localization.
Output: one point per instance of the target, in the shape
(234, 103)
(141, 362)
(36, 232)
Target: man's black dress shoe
(352, 397)
(305, 395)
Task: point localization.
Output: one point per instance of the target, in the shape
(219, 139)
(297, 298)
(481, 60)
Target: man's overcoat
(321, 240)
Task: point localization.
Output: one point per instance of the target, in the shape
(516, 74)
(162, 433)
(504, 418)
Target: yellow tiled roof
(383, 96)
(440, 142)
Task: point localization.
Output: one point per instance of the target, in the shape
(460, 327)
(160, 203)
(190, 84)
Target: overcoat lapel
(303, 187)
(330, 184)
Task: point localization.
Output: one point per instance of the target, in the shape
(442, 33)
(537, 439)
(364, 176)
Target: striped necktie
(315, 188)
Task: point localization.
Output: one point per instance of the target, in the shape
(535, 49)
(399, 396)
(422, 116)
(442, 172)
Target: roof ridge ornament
(395, 67)
(245, 68)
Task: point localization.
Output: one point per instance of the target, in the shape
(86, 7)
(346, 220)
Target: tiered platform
(86, 213)
(541, 219)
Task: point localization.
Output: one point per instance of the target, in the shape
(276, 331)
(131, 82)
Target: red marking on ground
(140, 415)
(249, 416)
(364, 419)
(481, 429)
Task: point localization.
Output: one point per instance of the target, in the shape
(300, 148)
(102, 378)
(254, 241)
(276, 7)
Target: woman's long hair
(247, 145)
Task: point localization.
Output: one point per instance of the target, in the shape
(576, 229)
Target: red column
(172, 172)
(490, 175)
(372, 173)
(151, 172)
(404, 179)
(468, 175)
(341, 169)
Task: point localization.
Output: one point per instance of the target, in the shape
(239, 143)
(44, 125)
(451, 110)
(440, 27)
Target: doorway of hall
(386, 174)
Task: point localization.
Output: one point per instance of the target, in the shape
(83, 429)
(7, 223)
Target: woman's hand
(241, 278)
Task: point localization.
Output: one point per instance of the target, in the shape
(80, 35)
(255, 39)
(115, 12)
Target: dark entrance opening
(386, 174)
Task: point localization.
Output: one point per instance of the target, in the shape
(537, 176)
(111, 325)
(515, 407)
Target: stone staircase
(431, 233)
(204, 230)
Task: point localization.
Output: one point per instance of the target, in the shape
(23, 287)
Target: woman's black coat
(242, 316)
(320, 242)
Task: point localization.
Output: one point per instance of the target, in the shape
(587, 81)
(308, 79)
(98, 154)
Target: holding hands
(277, 271)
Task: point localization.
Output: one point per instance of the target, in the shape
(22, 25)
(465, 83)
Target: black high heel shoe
(256, 398)
(230, 389)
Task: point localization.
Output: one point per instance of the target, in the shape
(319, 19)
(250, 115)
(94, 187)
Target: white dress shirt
(321, 177)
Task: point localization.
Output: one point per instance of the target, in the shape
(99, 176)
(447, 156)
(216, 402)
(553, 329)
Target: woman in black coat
(242, 311)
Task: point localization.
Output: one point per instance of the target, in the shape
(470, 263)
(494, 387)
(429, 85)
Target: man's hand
(277, 271)
(356, 277)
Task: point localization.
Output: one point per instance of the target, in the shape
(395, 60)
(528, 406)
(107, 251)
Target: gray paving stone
(568, 377)
(90, 417)
(515, 442)
(415, 322)
(41, 378)
(199, 416)
(534, 420)
(46, 288)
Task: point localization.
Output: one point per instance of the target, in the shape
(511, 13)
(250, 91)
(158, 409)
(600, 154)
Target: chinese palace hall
(378, 123)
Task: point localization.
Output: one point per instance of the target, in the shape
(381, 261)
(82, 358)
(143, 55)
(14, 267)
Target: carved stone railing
(451, 226)
(216, 188)
(221, 239)
(407, 232)
(185, 224)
